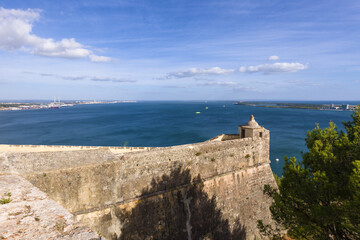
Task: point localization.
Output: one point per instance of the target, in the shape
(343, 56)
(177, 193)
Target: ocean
(162, 124)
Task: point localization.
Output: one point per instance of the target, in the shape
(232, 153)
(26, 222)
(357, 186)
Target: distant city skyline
(180, 50)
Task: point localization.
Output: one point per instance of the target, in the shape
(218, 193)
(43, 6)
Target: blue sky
(180, 50)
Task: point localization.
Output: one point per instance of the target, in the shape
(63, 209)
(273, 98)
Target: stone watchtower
(251, 129)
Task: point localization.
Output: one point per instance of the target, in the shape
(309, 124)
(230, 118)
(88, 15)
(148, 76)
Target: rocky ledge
(28, 213)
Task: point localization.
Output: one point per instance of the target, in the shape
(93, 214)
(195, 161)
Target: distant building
(343, 107)
(352, 107)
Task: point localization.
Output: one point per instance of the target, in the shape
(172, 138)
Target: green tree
(319, 198)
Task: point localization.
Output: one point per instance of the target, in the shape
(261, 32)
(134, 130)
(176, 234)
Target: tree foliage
(319, 198)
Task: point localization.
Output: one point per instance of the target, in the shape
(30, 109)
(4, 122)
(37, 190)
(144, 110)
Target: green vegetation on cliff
(319, 198)
(282, 105)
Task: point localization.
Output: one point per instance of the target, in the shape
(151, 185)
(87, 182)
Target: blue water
(162, 124)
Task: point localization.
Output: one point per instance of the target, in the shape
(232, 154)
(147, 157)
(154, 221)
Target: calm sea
(162, 124)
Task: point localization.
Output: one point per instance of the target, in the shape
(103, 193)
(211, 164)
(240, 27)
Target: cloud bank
(198, 72)
(221, 84)
(111, 79)
(279, 67)
(82, 78)
(304, 83)
(16, 34)
(230, 85)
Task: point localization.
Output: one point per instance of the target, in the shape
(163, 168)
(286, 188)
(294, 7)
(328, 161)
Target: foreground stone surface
(30, 214)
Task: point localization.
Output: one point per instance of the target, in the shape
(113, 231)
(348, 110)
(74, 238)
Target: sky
(180, 50)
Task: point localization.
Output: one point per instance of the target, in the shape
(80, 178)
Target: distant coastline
(333, 107)
(16, 106)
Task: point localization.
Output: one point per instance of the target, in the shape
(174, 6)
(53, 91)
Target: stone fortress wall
(56, 148)
(187, 191)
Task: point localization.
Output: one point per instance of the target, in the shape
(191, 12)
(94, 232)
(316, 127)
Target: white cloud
(234, 86)
(111, 79)
(273, 58)
(305, 83)
(82, 78)
(199, 71)
(16, 34)
(95, 58)
(279, 67)
(222, 84)
(177, 87)
(246, 89)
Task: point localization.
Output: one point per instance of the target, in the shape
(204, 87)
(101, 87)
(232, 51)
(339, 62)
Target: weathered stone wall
(197, 191)
(100, 188)
(238, 197)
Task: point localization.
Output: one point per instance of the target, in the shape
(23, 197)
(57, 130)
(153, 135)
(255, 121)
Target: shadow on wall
(179, 213)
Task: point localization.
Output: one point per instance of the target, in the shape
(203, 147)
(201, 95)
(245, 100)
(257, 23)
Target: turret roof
(252, 123)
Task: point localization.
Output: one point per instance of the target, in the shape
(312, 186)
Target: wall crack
(186, 202)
